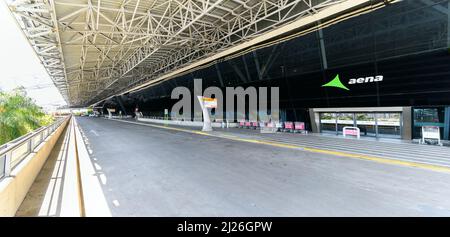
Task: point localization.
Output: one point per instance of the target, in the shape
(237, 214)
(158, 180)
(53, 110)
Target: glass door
(345, 120)
(366, 122)
(428, 117)
(389, 125)
(385, 125)
(328, 122)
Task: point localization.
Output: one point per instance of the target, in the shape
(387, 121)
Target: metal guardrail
(13, 152)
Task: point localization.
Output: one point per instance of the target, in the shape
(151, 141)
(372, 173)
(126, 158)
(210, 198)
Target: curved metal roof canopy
(93, 49)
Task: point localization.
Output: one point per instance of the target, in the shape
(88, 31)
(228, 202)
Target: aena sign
(336, 82)
(363, 80)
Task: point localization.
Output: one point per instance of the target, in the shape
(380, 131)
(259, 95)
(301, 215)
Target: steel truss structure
(93, 49)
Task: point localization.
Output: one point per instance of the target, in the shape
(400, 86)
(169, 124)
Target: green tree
(19, 115)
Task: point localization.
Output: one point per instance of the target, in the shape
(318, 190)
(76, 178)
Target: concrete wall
(315, 121)
(13, 189)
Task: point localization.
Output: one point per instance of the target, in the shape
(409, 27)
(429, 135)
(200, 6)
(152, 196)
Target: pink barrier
(351, 132)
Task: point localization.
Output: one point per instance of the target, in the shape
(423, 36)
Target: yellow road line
(382, 160)
(308, 149)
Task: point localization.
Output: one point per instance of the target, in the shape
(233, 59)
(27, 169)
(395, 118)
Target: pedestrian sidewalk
(67, 185)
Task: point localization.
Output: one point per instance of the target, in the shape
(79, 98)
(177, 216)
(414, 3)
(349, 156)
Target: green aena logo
(336, 82)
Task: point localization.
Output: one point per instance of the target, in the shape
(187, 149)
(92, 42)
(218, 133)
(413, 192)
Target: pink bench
(288, 126)
(299, 126)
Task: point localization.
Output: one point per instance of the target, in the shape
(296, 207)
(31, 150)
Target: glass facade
(345, 120)
(406, 42)
(429, 116)
(328, 122)
(380, 125)
(389, 125)
(366, 122)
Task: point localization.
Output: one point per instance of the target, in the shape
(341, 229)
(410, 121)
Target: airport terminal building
(386, 71)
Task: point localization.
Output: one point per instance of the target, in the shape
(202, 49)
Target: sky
(20, 66)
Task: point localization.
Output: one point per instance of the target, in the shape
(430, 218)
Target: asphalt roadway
(147, 171)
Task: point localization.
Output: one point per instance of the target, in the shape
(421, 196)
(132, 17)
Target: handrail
(13, 152)
(19, 140)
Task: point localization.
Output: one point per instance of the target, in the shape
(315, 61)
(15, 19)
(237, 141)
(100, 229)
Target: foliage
(19, 115)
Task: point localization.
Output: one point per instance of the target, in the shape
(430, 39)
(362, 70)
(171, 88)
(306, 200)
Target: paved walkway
(45, 195)
(58, 190)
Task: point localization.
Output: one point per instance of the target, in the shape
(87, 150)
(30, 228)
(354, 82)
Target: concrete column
(407, 123)
(315, 120)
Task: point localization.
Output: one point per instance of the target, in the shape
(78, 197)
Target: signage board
(337, 83)
(431, 133)
(209, 103)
